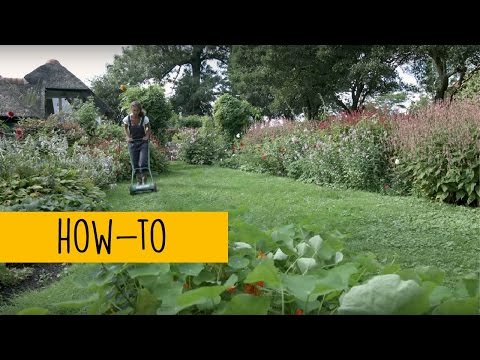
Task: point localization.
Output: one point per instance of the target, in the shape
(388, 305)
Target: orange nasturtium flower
(298, 312)
(261, 255)
(250, 289)
(254, 289)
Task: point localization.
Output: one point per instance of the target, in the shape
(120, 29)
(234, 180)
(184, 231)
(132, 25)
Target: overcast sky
(84, 61)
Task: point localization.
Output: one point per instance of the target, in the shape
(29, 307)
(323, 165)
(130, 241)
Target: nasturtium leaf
(302, 248)
(206, 275)
(146, 304)
(304, 264)
(471, 282)
(315, 242)
(430, 273)
(439, 294)
(148, 269)
(199, 296)
(231, 281)
(338, 257)
(385, 295)
(300, 286)
(238, 262)
(244, 304)
(467, 306)
(241, 245)
(190, 268)
(264, 271)
(334, 279)
(280, 255)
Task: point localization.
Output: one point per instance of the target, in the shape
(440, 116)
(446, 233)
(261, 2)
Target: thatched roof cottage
(34, 95)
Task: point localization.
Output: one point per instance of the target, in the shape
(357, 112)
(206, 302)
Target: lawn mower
(145, 186)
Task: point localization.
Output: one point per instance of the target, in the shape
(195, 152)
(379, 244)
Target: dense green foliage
(154, 104)
(233, 115)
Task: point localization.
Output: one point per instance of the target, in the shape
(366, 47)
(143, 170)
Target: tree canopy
(187, 67)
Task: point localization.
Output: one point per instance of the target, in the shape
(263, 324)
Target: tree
(195, 99)
(249, 78)
(107, 88)
(443, 69)
(283, 80)
(313, 79)
(471, 88)
(390, 101)
(359, 73)
(161, 63)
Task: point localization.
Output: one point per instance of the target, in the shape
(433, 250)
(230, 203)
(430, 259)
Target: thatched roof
(26, 97)
(24, 100)
(56, 77)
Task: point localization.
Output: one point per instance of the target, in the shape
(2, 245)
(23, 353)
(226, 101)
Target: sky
(83, 61)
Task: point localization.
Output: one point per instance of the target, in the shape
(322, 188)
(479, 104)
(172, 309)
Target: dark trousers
(139, 155)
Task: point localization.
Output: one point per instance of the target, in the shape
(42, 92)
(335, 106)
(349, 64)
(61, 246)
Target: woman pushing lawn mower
(137, 130)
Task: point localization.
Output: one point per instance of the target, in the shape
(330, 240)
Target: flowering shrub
(350, 151)
(200, 146)
(43, 173)
(438, 149)
(52, 126)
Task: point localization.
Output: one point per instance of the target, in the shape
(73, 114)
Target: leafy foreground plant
(290, 271)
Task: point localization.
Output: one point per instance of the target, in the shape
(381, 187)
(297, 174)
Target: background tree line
(289, 80)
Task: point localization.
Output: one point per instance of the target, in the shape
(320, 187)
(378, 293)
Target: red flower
(253, 289)
(298, 312)
(250, 289)
(19, 133)
(232, 289)
(10, 114)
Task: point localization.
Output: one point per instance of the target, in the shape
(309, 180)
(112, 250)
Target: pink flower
(10, 114)
(19, 133)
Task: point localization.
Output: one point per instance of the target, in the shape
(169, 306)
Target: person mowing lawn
(137, 130)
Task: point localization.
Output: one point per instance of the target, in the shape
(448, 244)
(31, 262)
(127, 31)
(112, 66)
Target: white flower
(238, 136)
(397, 161)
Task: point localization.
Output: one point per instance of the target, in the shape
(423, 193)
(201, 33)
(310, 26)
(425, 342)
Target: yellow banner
(137, 237)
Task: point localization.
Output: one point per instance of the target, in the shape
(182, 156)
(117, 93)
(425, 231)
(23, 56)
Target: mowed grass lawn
(407, 230)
